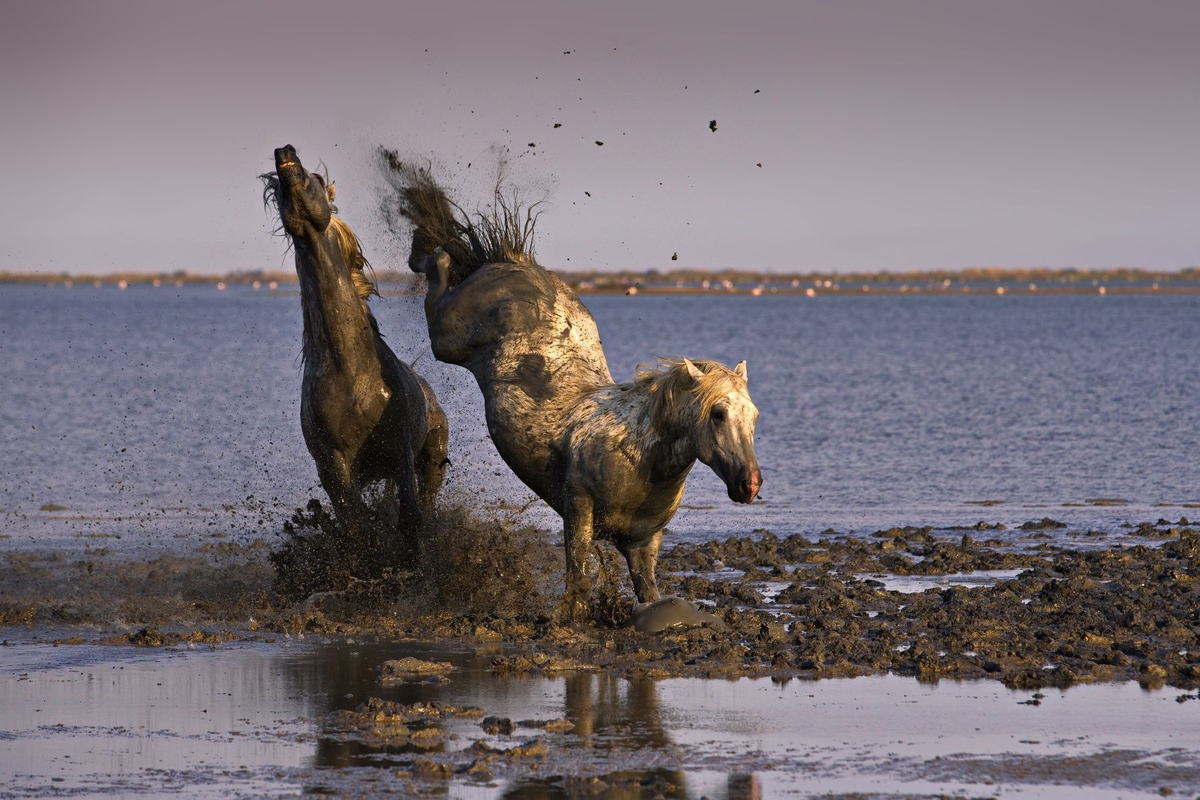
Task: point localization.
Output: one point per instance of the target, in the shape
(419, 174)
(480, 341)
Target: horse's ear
(331, 192)
(693, 370)
(740, 370)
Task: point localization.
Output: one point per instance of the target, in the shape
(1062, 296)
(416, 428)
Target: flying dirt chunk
(611, 459)
(712, 125)
(366, 416)
(674, 256)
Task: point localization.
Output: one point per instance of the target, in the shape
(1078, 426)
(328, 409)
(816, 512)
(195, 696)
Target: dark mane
(502, 233)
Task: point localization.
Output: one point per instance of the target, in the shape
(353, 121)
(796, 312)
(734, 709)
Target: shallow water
(249, 719)
(147, 410)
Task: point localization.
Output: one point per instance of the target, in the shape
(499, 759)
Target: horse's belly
(627, 522)
(526, 440)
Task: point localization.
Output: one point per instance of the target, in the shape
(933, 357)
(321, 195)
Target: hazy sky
(899, 135)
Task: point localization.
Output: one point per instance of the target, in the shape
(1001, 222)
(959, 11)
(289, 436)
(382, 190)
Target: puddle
(911, 584)
(251, 719)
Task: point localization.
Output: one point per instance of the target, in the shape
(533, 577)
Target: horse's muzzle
(747, 487)
(286, 159)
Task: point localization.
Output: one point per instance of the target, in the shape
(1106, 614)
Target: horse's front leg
(577, 527)
(642, 558)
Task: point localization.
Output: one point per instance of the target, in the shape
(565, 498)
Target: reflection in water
(248, 719)
(618, 722)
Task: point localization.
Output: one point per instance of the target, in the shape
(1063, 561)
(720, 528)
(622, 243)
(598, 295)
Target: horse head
(304, 200)
(708, 404)
(724, 433)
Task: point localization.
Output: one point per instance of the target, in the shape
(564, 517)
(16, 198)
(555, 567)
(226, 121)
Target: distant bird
(599, 143)
(674, 256)
(589, 194)
(712, 125)
(759, 164)
(558, 124)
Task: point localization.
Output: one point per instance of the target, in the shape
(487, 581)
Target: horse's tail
(502, 234)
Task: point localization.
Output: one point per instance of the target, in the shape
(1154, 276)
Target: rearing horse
(366, 415)
(610, 458)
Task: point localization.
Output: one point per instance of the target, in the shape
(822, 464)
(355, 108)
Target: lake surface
(168, 403)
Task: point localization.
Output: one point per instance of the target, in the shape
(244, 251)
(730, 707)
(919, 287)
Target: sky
(891, 135)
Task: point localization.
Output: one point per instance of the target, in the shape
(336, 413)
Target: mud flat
(1018, 663)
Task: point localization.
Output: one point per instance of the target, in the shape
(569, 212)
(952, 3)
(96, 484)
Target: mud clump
(379, 722)
(401, 670)
(1044, 524)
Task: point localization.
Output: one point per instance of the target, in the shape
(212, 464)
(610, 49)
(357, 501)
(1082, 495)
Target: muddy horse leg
(344, 495)
(577, 527)
(642, 558)
(432, 461)
(407, 491)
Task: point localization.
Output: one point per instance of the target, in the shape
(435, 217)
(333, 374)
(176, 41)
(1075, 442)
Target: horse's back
(535, 351)
(509, 311)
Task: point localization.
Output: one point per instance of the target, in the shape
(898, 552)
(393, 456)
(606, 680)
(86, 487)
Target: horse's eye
(718, 415)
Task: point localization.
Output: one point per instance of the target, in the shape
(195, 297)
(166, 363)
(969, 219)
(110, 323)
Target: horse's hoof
(570, 614)
(670, 612)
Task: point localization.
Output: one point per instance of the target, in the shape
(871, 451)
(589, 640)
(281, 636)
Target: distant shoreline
(978, 281)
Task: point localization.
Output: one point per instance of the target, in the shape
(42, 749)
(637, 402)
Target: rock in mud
(670, 612)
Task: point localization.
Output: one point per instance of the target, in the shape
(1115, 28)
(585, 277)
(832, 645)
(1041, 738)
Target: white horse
(610, 458)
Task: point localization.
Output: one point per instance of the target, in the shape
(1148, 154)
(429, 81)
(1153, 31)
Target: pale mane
(352, 254)
(672, 389)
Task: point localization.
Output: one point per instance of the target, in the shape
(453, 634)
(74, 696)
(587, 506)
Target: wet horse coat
(365, 414)
(610, 458)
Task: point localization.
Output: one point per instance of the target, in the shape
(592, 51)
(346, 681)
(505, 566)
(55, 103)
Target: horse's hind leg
(431, 463)
(642, 558)
(577, 528)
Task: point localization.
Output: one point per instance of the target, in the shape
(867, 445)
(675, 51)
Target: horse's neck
(338, 329)
(668, 453)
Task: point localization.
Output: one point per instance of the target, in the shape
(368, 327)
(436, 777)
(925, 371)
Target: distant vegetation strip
(692, 281)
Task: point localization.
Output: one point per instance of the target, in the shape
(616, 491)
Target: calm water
(247, 721)
(876, 411)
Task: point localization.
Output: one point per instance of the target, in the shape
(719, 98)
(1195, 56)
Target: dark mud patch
(800, 608)
(220, 583)
(791, 607)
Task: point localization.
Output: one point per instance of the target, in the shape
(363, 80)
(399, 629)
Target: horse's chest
(636, 516)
